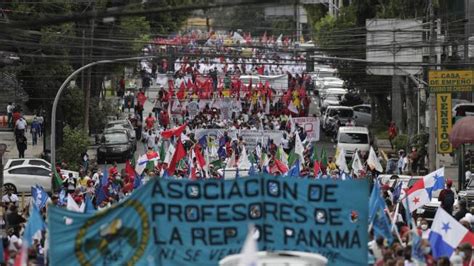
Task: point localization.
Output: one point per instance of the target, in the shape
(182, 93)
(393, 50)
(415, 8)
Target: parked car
(124, 123)
(330, 100)
(35, 162)
(332, 91)
(21, 178)
(467, 193)
(343, 113)
(353, 138)
(115, 146)
(461, 110)
(122, 130)
(362, 114)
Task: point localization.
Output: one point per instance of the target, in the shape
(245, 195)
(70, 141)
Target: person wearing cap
(446, 197)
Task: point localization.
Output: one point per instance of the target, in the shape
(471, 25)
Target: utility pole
(298, 18)
(432, 98)
(466, 31)
(87, 94)
(3, 149)
(83, 58)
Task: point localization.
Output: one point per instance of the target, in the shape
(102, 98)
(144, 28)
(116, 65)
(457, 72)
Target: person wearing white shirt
(10, 108)
(10, 198)
(21, 125)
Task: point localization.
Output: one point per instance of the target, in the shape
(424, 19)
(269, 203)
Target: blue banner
(183, 222)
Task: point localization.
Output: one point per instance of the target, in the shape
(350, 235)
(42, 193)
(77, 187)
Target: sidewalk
(8, 138)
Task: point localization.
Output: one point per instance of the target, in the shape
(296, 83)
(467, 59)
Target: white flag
(244, 162)
(292, 108)
(141, 164)
(341, 161)
(169, 154)
(72, 205)
(231, 161)
(299, 149)
(373, 161)
(249, 252)
(357, 166)
(292, 125)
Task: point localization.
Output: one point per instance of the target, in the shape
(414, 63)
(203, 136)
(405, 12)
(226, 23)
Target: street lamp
(60, 91)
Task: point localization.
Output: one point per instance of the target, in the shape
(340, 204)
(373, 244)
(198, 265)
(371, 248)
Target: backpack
(448, 200)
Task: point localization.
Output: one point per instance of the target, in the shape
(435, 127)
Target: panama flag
(447, 234)
(420, 193)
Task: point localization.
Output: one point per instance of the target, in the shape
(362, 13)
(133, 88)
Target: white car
(330, 100)
(352, 139)
(21, 174)
(339, 92)
(344, 113)
(362, 114)
(35, 162)
(21, 178)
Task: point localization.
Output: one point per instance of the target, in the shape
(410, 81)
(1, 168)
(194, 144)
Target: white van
(352, 139)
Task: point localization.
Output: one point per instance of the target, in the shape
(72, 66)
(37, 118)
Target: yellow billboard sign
(443, 110)
(451, 80)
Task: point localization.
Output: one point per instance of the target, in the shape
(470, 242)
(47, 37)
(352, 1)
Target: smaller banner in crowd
(310, 125)
(227, 106)
(250, 137)
(183, 222)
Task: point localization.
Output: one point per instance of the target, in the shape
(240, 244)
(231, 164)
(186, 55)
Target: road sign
(451, 80)
(443, 110)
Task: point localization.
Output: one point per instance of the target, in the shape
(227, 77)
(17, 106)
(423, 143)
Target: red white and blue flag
(420, 193)
(447, 234)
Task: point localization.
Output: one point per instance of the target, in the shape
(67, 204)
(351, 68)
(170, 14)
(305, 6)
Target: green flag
(162, 152)
(218, 164)
(251, 157)
(57, 180)
(315, 156)
(182, 164)
(324, 157)
(292, 157)
(278, 154)
(150, 165)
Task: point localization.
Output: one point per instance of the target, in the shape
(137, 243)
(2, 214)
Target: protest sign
(193, 109)
(183, 222)
(162, 80)
(250, 137)
(310, 125)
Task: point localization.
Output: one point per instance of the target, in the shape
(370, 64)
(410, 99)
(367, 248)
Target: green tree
(345, 36)
(75, 142)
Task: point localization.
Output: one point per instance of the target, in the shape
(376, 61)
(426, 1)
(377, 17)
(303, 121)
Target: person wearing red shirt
(150, 122)
(164, 119)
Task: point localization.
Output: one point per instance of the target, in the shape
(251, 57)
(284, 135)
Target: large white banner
(310, 125)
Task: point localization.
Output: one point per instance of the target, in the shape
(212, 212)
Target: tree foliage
(345, 36)
(75, 142)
